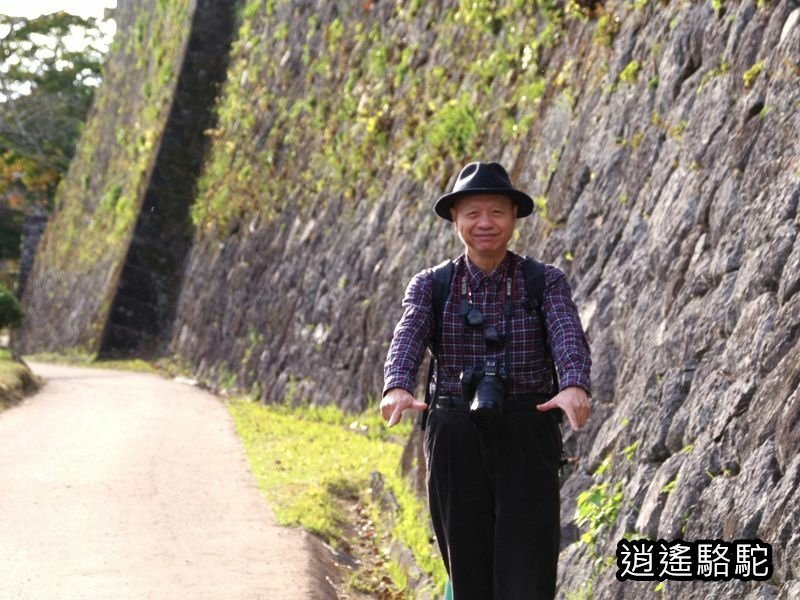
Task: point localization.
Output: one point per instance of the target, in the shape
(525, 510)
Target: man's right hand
(395, 402)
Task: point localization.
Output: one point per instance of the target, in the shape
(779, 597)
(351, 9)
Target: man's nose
(484, 220)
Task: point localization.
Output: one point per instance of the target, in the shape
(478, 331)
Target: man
(492, 442)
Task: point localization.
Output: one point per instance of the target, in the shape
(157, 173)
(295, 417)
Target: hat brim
(521, 199)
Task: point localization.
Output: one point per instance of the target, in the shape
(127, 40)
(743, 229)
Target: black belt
(510, 402)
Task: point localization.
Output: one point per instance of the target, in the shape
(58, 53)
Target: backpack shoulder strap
(442, 274)
(533, 271)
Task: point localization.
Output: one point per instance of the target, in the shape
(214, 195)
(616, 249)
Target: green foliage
(721, 69)
(10, 309)
(311, 460)
(480, 14)
(597, 509)
(630, 451)
(749, 77)
(607, 28)
(45, 93)
(36, 54)
(367, 99)
(11, 222)
(540, 206)
(15, 377)
(630, 73)
(451, 131)
(678, 129)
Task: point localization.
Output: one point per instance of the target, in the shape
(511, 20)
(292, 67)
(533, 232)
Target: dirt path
(127, 485)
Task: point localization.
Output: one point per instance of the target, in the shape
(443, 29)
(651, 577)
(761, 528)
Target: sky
(83, 8)
(34, 8)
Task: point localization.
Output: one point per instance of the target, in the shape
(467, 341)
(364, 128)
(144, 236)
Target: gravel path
(127, 485)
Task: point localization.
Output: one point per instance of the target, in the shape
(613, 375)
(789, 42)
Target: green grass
(83, 359)
(309, 460)
(14, 379)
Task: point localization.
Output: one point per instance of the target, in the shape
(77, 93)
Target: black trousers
(494, 502)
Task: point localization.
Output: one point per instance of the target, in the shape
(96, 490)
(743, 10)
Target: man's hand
(395, 402)
(574, 401)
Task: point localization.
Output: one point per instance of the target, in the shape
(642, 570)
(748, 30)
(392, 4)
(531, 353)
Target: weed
(721, 69)
(630, 451)
(669, 487)
(630, 73)
(677, 130)
(597, 509)
(749, 77)
(540, 205)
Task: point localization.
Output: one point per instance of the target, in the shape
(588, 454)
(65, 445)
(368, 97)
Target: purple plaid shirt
(528, 369)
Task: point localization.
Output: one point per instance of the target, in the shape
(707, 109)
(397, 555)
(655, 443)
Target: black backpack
(533, 272)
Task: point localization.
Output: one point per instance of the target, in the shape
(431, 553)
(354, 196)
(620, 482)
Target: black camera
(484, 391)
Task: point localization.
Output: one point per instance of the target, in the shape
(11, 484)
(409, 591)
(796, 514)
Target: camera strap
(466, 304)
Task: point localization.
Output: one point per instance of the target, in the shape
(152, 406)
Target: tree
(46, 88)
(10, 310)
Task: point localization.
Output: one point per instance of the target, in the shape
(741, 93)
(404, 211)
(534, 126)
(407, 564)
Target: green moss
(360, 103)
(631, 72)
(749, 77)
(607, 28)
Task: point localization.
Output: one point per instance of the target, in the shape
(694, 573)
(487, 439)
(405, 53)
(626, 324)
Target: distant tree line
(46, 89)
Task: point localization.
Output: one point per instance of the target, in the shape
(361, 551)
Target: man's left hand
(574, 401)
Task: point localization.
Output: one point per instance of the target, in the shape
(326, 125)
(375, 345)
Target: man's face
(485, 222)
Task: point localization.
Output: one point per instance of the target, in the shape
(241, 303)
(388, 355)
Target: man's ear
(453, 214)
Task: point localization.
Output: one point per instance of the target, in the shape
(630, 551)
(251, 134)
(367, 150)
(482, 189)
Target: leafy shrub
(10, 310)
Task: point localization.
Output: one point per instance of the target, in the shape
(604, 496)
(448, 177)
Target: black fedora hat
(483, 178)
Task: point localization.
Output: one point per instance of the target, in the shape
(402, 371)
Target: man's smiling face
(484, 222)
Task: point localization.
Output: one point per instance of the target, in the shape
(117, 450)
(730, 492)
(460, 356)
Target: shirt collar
(496, 277)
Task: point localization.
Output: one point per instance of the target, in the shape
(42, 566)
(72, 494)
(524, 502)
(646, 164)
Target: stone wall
(141, 316)
(70, 291)
(664, 159)
(661, 144)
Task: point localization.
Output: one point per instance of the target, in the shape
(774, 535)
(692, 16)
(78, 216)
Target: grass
(78, 358)
(310, 461)
(15, 379)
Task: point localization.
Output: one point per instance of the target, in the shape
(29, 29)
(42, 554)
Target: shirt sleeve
(568, 343)
(411, 335)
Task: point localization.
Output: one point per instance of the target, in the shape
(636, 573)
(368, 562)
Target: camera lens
(485, 410)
